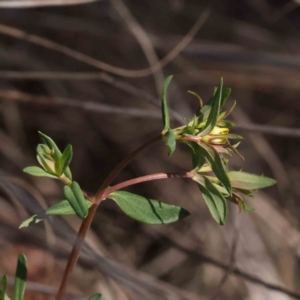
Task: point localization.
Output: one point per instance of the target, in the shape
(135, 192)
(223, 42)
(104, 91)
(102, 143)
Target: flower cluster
(208, 135)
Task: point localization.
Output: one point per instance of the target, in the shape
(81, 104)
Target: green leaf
(20, 278)
(51, 144)
(31, 221)
(47, 162)
(225, 95)
(37, 171)
(147, 210)
(198, 159)
(57, 154)
(170, 141)
(246, 181)
(214, 112)
(213, 198)
(95, 297)
(3, 289)
(76, 199)
(62, 208)
(205, 110)
(164, 106)
(216, 164)
(64, 160)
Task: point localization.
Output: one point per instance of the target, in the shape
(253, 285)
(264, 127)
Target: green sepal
(213, 198)
(216, 164)
(164, 106)
(226, 123)
(56, 152)
(74, 195)
(246, 181)
(214, 111)
(95, 297)
(62, 208)
(146, 210)
(170, 141)
(20, 278)
(64, 161)
(37, 171)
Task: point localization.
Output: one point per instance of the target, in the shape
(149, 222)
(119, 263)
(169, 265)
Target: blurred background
(90, 73)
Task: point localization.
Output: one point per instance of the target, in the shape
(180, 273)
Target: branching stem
(86, 223)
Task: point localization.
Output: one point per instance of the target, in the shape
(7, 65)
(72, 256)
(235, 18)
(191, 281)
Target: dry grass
(89, 75)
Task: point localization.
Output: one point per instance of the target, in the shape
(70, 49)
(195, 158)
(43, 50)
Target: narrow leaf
(198, 98)
(37, 171)
(164, 106)
(214, 200)
(62, 208)
(3, 289)
(147, 210)
(216, 164)
(64, 160)
(76, 199)
(226, 123)
(170, 141)
(214, 112)
(20, 278)
(225, 95)
(95, 297)
(198, 159)
(246, 181)
(57, 154)
(205, 110)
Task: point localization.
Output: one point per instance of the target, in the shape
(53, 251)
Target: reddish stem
(121, 166)
(86, 223)
(144, 179)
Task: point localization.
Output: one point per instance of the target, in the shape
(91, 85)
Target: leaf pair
(76, 199)
(213, 198)
(148, 211)
(20, 280)
(167, 131)
(62, 208)
(54, 163)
